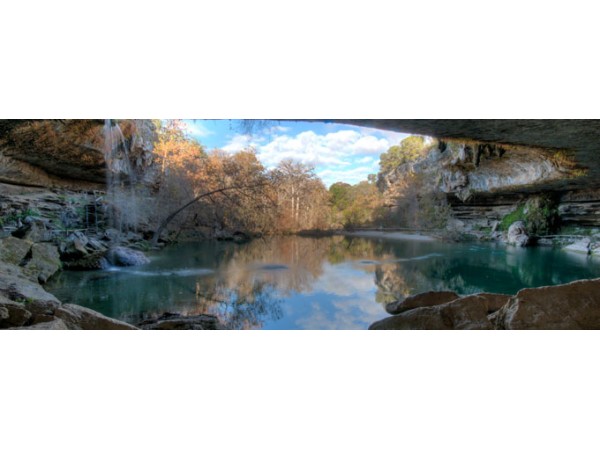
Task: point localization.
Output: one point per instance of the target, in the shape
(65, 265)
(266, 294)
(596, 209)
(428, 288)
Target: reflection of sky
(342, 298)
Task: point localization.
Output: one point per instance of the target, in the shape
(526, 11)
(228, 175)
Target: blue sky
(338, 152)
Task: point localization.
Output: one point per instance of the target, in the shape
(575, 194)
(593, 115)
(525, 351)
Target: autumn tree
(301, 197)
(215, 190)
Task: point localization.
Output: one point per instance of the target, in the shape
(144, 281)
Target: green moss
(510, 218)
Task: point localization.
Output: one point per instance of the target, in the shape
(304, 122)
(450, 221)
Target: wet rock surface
(169, 321)
(123, 256)
(581, 246)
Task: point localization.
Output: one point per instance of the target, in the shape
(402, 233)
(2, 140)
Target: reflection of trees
(301, 260)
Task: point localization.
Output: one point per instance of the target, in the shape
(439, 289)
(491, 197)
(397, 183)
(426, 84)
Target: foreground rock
(79, 318)
(178, 322)
(573, 306)
(420, 300)
(24, 304)
(517, 235)
(493, 302)
(123, 256)
(467, 313)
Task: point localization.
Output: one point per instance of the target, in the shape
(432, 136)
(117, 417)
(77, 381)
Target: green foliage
(539, 214)
(355, 206)
(512, 217)
(410, 149)
(15, 217)
(341, 196)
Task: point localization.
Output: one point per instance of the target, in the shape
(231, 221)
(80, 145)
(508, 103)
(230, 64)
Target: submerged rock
(170, 321)
(431, 298)
(96, 261)
(573, 306)
(581, 246)
(123, 256)
(517, 234)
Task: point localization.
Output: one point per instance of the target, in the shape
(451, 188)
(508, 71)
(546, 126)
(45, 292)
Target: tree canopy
(410, 149)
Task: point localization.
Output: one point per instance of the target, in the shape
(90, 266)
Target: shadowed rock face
(582, 137)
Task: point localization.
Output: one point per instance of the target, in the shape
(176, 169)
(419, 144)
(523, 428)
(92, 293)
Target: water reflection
(310, 283)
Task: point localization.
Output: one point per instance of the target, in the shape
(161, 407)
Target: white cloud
(351, 176)
(197, 130)
(347, 155)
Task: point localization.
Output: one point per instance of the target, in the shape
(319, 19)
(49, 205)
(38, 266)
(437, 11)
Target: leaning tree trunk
(174, 214)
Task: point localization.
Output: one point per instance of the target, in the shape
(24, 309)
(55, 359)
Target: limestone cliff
(68, 153)
(484, 182)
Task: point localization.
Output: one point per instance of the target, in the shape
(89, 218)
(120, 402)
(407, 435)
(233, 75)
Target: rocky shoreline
(572, 306)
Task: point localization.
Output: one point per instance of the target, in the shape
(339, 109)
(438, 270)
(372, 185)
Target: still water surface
(311, 283)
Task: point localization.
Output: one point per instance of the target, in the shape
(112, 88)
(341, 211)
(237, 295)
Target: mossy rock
(539, 214)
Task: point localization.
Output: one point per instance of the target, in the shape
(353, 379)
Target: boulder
(34, 231)
(517, 234)
(44, 262)
(573, 306)
(466, 313)
(13, 313)
(95, 245)
(431, 298)
(178, 322)
(74, 247)
(15, 286)
(493, 302)
(79, 318)
(45, 307)
(54, 324)
(581, 246)
(123, 256)
(14, 250)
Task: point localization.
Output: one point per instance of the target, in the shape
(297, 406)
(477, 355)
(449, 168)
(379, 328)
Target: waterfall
(120, 180)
